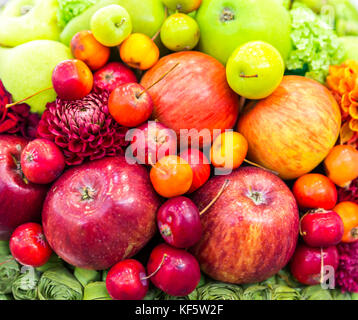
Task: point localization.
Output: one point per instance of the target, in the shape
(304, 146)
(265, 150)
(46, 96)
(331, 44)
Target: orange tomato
(86, 48)
(171, 176)
(341, 165)
(139, 51)
(348, 211)
(229, 150)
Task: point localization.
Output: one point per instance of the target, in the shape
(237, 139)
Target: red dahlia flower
(347, 272)
(84, 129)
(17, 119)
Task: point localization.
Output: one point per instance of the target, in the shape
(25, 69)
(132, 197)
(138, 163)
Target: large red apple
(20, 200)
(194, 95)
(251, 231)
(100, 212)
(294, 129)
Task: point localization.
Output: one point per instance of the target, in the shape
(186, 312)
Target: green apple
(350, 46)
(185, 6)
(26, 20)
(225, 24)
(147, 17)
(255, 70)
(111, 25)
(180, 32)
(27, 69)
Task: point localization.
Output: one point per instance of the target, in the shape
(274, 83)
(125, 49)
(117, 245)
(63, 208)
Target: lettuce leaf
(69, 9)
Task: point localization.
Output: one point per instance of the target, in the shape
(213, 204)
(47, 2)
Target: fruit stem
(225, 184)
(160, 79)
(322, 266)
(354, 233)
(151, 163)
(18, 168)
(247, 77)
(261, 167)
(156, 271)
(9, 105)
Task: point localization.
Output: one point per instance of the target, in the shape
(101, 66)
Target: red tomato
(314, 191)
(29, 246)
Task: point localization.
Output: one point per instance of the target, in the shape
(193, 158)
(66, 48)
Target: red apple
(292, 130)
(130, 105)
(113, 75)
(251, 231)
(20, 201)
(42, 161)
(306, 264)
(195, 95)
(200, 165)
(72, 79)
(100, 212)
(151, 141)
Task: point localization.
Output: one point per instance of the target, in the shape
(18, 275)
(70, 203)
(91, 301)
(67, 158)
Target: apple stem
(156, 271)
(7, 261)
(9, 105)
(160, 79)
(246, 77)
(322, 266)
(261, 167)
(225, 184)
(18, 168)
(160, 29)
(151, 163)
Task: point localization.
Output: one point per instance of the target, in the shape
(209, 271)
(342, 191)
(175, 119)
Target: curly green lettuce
(69, 9)
(315, 44)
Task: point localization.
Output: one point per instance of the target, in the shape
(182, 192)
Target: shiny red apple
(113, 75)
(251, 231)
(152, 141)
(130, 105)
(195, 95)
(200, 165)
(20, 200)
(100, 212)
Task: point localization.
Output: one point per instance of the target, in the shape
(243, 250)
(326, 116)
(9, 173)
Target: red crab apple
(28, 245)
(42, 161)
(113, 75)
(243, 230)
(174, 271)
(20, 200)
(152, 141)
(307, 262)
(100, 212)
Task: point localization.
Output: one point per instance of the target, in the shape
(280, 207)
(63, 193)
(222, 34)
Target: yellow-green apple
(251, 231)
(293, 130)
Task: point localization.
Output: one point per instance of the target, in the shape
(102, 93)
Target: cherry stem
(261, 167)
(225, 184)
(27, 98)
(7, 261)
(156, 271)
(247, 77)
(160, 79)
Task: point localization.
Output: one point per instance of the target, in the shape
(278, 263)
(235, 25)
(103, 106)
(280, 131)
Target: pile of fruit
(178, 149)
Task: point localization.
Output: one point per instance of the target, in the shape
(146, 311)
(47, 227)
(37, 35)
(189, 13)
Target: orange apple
(292, 130)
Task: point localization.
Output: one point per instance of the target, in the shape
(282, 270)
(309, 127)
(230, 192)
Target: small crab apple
(42, 161)
(29, 246)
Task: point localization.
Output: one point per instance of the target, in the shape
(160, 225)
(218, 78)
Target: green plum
(111, 25)
(180, 32)
(225, 24)
(185, 6)
(255, 70)
(147, 17)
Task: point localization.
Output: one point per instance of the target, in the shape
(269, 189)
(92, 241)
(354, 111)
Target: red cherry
(127, 280)
(314, 191)
(130, 105)
(174, 271)
(200, 165)
(113, 75)
(29, 246)
(72, 79)
(42, 161)
(179, 223)
(306, 263)
(321, 228)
